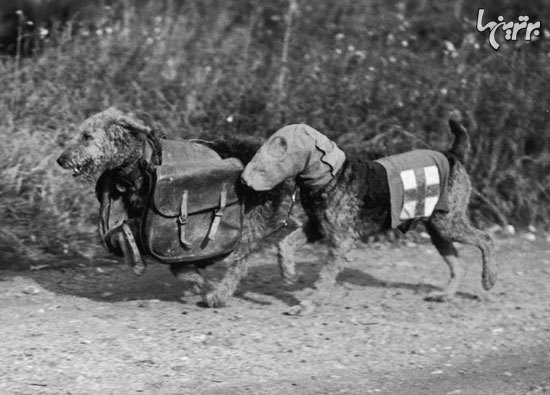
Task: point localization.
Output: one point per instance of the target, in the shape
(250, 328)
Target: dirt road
(101, 330)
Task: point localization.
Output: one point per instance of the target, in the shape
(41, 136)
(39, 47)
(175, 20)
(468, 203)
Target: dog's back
(265, 211)
(368, 188)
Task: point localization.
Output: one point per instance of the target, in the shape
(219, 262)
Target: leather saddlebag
(193, 213)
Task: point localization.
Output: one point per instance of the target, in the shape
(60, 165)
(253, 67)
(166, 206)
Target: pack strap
(183, 219)
(132, 176)
(292, 203)
(123, 237)
(219, 213)
(132, 257)
(104, 213)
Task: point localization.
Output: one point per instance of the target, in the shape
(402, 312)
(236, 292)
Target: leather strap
(292, 202)
(134, 257)
(183, 219)
(218, 214)
(130, 177)
(104, 213)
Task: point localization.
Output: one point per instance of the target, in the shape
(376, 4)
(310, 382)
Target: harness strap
(120, 235)
(135, 260)
(218, 214)
(131, 177)
(123, 237)
(183, 219)
(104, 213)
(292, 202)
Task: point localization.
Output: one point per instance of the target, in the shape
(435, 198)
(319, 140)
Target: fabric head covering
(295, 150)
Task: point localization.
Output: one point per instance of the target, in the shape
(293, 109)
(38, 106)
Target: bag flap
(202, 179)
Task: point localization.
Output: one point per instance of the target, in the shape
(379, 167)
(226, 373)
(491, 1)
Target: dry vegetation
(380, 76)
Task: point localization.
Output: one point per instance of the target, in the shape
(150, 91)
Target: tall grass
(376, 76)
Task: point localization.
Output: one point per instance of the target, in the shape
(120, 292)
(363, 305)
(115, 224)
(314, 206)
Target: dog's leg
(222, 291)
(449, 253)
(458, 228)
(339, 247)
(191, 274)
(285, 254)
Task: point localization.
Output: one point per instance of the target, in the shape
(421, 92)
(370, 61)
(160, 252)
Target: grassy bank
(378, 76)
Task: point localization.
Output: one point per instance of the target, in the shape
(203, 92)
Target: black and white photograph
(274, 197)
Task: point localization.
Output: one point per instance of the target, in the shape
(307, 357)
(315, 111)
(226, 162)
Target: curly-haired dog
(113, 140)
(349, 199)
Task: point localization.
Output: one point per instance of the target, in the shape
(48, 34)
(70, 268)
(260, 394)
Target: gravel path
(101, 330)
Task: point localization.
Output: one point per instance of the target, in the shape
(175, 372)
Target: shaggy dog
(347, 199)
(115, 141)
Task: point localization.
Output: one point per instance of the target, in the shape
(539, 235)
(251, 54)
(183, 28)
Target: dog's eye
(86, 137)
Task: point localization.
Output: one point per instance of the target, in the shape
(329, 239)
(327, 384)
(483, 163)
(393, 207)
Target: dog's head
(295, 150)
(105, 141)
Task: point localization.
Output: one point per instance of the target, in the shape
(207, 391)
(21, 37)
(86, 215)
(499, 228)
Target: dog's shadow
(117, 283)
(265, 280)
(110, 283)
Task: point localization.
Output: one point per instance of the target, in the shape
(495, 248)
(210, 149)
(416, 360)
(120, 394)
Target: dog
(348, 199)
(118, 142)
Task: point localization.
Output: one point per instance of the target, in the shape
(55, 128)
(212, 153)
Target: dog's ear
(332, 155)
(277, 146)
(133, 124)
(127, 120)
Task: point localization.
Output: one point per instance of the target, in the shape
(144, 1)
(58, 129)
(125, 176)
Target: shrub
(380, 77)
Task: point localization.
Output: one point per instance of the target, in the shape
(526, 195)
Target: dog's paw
(439, 297)
(291, 279)
(305, 307)
(192, 290)
(288, 272)
(215, 299)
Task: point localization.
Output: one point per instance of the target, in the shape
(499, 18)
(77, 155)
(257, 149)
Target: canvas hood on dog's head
(295, 150)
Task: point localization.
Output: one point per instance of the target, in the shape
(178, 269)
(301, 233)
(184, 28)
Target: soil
(101, 330)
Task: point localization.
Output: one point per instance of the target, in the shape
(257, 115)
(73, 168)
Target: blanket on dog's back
(418, 184)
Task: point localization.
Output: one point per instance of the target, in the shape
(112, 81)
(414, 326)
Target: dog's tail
(461, 145)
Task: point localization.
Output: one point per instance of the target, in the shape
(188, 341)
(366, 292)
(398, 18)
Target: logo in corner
(513, 31)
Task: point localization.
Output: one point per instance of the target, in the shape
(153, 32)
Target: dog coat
(418, 184)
